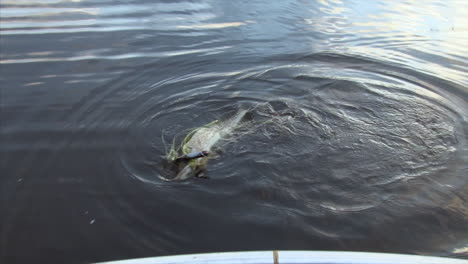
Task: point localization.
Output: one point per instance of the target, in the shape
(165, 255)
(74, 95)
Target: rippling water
(356, 140)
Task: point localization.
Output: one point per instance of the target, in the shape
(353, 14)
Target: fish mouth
(184, 174)
(194, 167)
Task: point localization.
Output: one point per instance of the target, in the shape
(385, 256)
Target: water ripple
(356, 138)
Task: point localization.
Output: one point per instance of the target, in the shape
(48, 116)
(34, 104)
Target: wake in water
(189, 157)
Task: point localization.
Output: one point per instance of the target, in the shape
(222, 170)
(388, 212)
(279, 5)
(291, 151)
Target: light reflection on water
(425, 38)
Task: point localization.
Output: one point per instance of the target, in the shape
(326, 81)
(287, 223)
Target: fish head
(192, 168)
(184, 174)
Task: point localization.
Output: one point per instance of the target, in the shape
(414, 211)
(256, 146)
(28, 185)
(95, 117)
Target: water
(357, 139)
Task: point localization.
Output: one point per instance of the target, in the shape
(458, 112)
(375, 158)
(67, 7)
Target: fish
(198, 144)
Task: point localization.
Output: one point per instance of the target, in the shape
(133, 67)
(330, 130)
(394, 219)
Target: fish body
(202, 140)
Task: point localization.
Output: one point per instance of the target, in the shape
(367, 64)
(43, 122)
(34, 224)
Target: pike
(196, 146)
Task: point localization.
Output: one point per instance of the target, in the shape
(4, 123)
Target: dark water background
(367, 150)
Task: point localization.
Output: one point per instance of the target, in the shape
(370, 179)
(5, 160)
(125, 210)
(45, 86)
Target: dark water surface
(358, 138)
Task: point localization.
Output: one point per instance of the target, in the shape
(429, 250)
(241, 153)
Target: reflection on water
(427, 38)
(356, 138)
